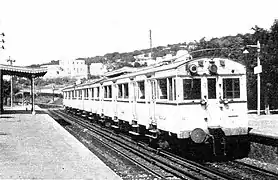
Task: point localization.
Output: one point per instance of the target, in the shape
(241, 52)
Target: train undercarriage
(214, 146)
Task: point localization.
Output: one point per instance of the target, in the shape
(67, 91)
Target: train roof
(173, 63)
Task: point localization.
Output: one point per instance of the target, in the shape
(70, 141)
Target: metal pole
(11, 63)
(33, 94)
(259, 80)
(11, 91)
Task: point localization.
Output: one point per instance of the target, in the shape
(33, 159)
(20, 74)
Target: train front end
(221, 124)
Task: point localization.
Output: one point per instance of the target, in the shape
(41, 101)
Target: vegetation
(229, 46)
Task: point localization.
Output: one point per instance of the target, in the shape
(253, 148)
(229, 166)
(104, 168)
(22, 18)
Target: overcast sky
(38, 31)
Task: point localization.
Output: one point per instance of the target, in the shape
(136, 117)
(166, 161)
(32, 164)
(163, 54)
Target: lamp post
(11, 63)
(257, 70)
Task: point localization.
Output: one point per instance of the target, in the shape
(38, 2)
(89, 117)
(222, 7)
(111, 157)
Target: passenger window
(126, 93)
(231, 88)
(141, 90)
(191, 89)
(108, 91)
(97, 92)
(162, 88)
(92, 95)
(105, 91)
(86, 92)
(80, 94)
(120, 91)
(172, 89)
(212, 88)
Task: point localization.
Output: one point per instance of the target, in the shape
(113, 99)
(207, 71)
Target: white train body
(186, 99)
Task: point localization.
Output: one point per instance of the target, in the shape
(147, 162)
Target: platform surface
(266, 125)
(37, 147)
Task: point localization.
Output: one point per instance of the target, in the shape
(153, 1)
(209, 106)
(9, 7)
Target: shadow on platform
(21, 112)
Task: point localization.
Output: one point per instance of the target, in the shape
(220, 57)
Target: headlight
(198, 135)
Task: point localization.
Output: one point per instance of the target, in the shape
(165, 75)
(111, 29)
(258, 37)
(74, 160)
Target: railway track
(160, 164)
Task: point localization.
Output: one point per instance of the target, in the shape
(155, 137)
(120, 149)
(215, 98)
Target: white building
(53, 70)
(74, 68)
(97, 69)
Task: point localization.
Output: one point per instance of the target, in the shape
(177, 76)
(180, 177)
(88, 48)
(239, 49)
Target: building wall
(97, 69)
(74, 68)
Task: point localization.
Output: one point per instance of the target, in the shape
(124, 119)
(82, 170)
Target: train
(194, 106)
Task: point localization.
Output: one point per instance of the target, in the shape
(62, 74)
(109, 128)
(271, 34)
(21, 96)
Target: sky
(38, 31)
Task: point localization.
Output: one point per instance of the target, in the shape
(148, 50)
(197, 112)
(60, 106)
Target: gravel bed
(263, 156)
(125, 169)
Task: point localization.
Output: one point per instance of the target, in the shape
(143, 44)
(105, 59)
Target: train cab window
(191, 89)
(231, 88)
(126, 93)
(211, 88)
(162, 88)
(141, 90)
(172, 89)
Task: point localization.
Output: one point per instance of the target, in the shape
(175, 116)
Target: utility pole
(11, 63)
(151, 43)
(258, 70)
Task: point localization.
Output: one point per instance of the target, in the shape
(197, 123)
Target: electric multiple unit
(186, 104)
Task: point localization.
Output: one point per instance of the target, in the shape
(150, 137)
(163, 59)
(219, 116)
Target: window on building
(191, 89)
(231, 88)
(162, 88)
(141, 89)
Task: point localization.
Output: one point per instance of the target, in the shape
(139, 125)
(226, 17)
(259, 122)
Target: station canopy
(22, 71)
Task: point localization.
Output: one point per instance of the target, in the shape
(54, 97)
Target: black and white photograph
(139, 89)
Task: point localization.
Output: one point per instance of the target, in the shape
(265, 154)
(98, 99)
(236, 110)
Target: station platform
(37, 147)
(264, 125)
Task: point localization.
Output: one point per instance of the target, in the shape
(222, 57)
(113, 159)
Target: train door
(213, 108)
(133, 100)
(153, 102)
